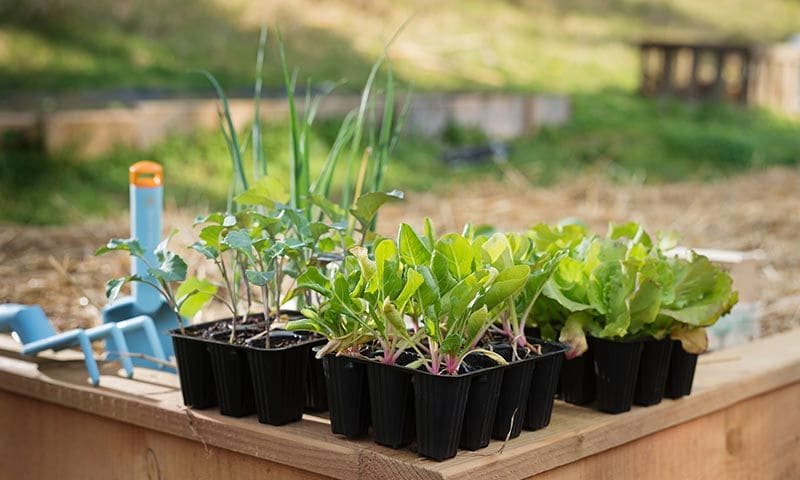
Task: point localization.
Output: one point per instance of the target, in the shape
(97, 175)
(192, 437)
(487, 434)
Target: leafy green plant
(264, 244)
(314, 200)
(461, 294)
(370, 304)
(185, 296)
(623, 286)
(449, 299)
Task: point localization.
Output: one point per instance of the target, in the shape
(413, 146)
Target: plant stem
(232, 294)
(267, 318)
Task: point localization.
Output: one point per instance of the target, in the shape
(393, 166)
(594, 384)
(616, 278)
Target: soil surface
(56, 267)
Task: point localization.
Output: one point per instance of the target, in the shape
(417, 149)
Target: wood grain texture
(84, 446)
(756, 438)
(152, 401)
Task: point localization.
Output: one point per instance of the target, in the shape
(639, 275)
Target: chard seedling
(459, 298)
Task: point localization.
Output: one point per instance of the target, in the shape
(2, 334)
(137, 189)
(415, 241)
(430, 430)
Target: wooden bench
(742, 421)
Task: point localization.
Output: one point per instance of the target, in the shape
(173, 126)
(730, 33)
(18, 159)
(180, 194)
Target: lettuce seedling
(623, 286)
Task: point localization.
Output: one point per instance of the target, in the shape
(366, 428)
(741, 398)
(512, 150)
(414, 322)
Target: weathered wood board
(742, 421)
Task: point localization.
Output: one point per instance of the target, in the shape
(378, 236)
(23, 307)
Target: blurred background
(682, 115)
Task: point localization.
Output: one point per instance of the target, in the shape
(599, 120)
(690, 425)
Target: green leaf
(631, 231)
(693, 340)
(209, 252)
(574, 334)
(238, 240)
(458, 253)
(313, 279)
(130, 245)
(413, 281)
(161, 248)
(210, 235)
(668, 240)
(477, 322)
(394, 318)
(303, 325)
(452, 343)
(430, 233)
(271, 224)
(428, 293)
(114, 286)
(368, 268)
(210, 218)
(549, 239)
(318, 229)
(645, 305)
(610, 290)
(259, 278)
(229, 221)
(498, 251)
(457, 300)
(412, 249)
(230, 136)
(520, 247)
(193, 295)
(340, 297)
(441, 271)
(367, 205)
(266, 192)
(329, 208)
(173, 269)
(508, 283)
(703, 293)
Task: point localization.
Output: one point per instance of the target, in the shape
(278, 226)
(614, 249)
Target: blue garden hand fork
(131, 326)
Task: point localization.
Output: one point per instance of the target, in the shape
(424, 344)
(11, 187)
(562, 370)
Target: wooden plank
(153, 402)
(732, 444)
(80, 445)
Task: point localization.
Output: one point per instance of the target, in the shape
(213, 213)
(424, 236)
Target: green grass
(529, 45)
(579, 47)
(630, 139)
(613, 134)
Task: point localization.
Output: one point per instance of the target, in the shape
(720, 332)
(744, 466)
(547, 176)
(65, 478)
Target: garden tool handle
(146, 199)
(146, 174)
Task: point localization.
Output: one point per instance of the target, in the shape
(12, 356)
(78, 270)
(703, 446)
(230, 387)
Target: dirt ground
(55, 266)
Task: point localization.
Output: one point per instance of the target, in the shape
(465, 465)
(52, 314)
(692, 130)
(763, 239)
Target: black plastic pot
(484, 392)
(616, 364)
(391, 399)
(543, 386)
(232, 378)
(348, 395)
(533, 332)
(653, 370)
(316, 391)
(440, 402)
(279, 377)
(577, 382)
(514, 391)
(681, 372)
(194, 369)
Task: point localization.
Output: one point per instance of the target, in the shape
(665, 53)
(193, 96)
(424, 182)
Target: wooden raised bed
(743, 421)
